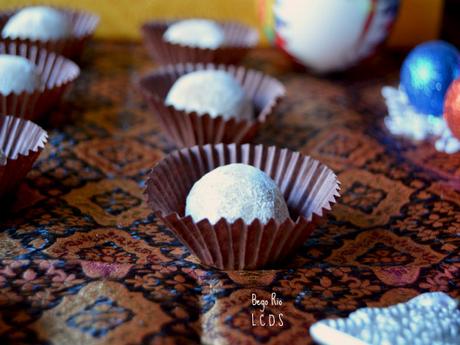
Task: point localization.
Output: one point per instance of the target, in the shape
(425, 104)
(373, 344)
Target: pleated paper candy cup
(21, 142)
(190, 128)
(309, 188)
(57, 74)
(239, 39)
(83, 26)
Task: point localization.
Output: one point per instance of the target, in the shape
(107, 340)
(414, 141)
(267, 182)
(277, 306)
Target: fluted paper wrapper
(57, 74)
(83, 26)
(239, 39)
(309, 188)
(190, 128)
(21, 142)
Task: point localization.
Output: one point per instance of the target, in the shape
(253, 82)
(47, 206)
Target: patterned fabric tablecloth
(83, 260)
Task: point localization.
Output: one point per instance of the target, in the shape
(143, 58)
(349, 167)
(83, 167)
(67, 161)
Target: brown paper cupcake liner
(309, 188)
(189, 128)
(83, 26)
(21, 142)
(57, 74)
(239, 39)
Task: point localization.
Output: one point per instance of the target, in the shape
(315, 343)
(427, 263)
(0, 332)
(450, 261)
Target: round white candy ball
(236, 191)
(17, 74)
(199, 33)
(38, 23)
(210, 91)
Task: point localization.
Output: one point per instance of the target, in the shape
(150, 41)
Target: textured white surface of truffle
(199, 33)
(236, 191)
(38, 23)
(210, 91)
(17, 74)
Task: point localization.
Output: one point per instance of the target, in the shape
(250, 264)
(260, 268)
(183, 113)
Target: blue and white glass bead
(426, 74)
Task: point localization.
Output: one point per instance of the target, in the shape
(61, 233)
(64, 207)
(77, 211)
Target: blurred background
(418, 20)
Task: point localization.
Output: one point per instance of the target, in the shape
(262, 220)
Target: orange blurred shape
(452, 108)
(418, 21)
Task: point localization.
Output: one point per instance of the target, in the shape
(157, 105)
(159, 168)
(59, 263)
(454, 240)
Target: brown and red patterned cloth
(83, 260)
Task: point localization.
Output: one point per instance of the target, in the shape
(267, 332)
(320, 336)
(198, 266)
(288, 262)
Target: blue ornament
(426, 74)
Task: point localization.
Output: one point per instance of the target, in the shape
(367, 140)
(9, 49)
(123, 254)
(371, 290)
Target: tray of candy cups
(238, 40)
(82, 27)
(185, 128)
(309, 189)
(21, 142)
(56, 73)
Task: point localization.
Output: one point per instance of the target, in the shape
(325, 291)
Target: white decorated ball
(38, 23)
(201, 33)
(17, 74)
(210, 91)
(236, 191)
(332, 35)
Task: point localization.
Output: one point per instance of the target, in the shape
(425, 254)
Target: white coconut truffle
(210, 91)
(236, 191)
(38, 23)
(199, 33)
(17, 74)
